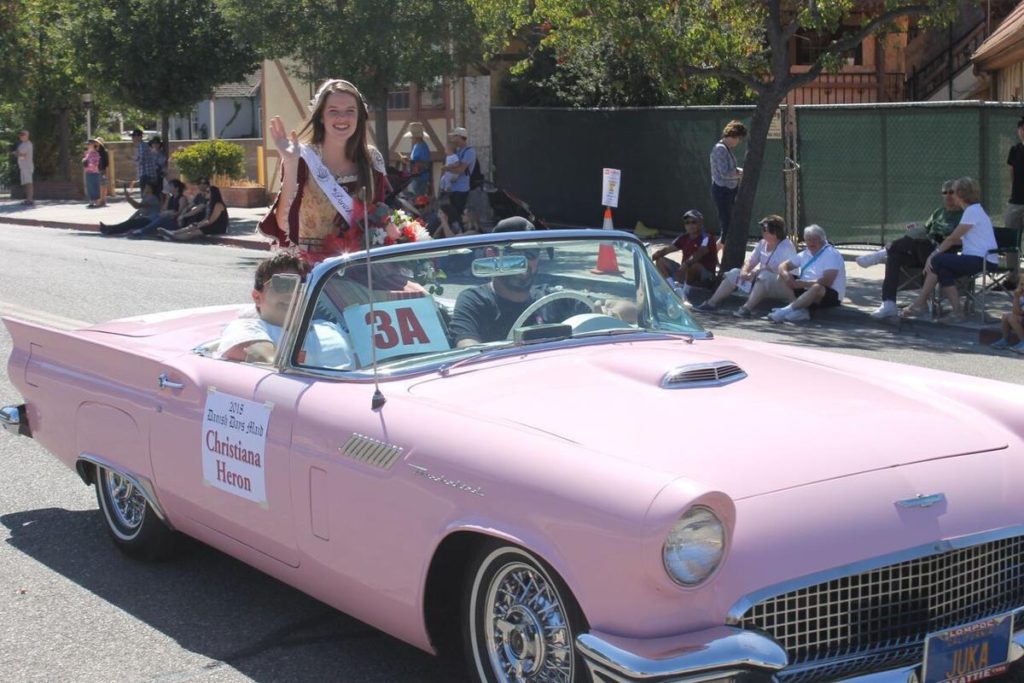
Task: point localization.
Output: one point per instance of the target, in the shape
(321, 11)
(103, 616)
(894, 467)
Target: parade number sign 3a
(396, 328)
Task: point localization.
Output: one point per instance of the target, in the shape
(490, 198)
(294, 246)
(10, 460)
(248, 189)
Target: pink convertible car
(490, 443)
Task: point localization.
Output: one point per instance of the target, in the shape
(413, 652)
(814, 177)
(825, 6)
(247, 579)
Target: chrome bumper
(720, 655)
(13, 420)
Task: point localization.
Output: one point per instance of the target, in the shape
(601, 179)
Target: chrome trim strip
(703, 656)
(141, 483)
(12, 419)
(371, 451)
(741, 606)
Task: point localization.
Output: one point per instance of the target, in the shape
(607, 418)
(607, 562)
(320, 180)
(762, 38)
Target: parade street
(73, 608)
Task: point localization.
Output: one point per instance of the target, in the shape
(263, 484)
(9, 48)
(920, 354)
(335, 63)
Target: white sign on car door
(234, 445)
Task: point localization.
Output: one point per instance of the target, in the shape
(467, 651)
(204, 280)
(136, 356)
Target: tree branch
(852, 40)
(794, 81)
(739, 76)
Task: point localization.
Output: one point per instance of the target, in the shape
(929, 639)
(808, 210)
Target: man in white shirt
(816, 277)
(26, 165)
(253, 337)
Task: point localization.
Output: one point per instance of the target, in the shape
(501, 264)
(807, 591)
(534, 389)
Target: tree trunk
(380, 123)
(165, 133)
(736, 243)
(63, 142)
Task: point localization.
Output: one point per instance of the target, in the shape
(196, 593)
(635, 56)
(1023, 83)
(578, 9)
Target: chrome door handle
(166, 383)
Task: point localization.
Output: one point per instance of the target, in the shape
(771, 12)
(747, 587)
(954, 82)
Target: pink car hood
(791, 421)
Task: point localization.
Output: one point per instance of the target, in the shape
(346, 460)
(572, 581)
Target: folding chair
(993, 277)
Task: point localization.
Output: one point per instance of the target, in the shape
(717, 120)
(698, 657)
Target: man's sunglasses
(280, 285)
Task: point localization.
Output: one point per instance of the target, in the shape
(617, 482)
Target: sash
(813, 259)
(338, 195)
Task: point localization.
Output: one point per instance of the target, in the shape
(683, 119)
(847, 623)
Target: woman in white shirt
(976, 236)
(759, 276)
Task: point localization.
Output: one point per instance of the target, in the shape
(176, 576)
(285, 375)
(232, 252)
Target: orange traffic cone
(608, 219)
(607, 262)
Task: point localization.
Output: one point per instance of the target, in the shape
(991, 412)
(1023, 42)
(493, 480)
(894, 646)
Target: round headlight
(694, 546)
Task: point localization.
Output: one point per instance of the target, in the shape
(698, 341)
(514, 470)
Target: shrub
(212, 158)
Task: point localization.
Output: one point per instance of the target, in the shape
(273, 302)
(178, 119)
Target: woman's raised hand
(287, 144)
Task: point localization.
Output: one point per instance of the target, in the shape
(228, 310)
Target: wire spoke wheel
(522, 621)
(127, 503)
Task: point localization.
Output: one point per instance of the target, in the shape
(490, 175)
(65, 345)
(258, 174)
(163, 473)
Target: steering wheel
(544, 301)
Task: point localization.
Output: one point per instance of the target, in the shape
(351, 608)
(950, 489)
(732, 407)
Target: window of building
(432, 95)
(399, 98)
(811, 46)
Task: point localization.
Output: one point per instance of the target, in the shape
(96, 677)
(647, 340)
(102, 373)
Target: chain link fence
(868, 170)
(860, 171)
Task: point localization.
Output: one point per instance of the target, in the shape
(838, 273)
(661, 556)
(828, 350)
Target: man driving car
(485, 313)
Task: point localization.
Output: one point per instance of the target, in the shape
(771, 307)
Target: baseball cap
(693, 213)
(460, 132)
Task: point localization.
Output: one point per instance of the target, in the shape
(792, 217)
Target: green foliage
(209, 159)
(376, 45)
(161, 56)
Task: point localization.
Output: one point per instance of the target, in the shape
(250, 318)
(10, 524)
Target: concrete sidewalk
(73, 215)
(863, 285)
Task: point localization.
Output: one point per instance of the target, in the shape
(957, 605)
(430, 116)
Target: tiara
(331, 83)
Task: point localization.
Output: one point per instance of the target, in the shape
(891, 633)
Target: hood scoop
(702, 375)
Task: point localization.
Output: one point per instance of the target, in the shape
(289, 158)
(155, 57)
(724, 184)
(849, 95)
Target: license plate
(970, 652)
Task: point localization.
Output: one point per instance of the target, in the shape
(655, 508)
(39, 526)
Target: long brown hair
(356, 147)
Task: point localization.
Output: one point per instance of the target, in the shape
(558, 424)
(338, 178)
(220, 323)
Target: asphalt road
(74, 609)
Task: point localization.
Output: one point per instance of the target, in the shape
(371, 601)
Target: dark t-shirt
(689, 246)
(482, 315)
(219, 226)
(1016, 159)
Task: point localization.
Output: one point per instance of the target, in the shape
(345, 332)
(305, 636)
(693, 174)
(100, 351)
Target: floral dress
(314, 225)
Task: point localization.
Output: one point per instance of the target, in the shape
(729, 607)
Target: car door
(220, 443)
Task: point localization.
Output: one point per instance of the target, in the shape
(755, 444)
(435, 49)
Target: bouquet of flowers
(387, 226)
(395, 227)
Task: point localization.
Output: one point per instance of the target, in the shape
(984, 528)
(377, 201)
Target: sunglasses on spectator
(946, 191)
(690, 220)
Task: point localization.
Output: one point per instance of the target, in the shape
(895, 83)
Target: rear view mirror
(498, 266)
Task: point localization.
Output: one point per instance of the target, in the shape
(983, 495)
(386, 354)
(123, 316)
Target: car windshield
(445, 301)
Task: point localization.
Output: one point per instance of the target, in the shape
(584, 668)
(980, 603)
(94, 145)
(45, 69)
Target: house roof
(1006, 44)
(248, 87)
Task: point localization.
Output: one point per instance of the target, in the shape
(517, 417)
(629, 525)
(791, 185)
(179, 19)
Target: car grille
(879, 619)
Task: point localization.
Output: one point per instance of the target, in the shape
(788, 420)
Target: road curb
(228, 240)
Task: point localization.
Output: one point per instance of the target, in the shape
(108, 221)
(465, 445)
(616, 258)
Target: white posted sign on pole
(610, 187)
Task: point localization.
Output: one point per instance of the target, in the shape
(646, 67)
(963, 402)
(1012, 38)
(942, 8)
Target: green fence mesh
(865, 170)
(553, 158)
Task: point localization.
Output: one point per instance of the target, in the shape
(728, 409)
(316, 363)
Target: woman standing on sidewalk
(91, 165)
(322, 212)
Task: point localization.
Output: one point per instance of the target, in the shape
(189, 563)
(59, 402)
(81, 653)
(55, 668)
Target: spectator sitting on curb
(176, 209)
(214, 221)
(912, 250)
(1013, 322)
(759, 276)
(820, 279)
(145, 210)
(700, 255)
